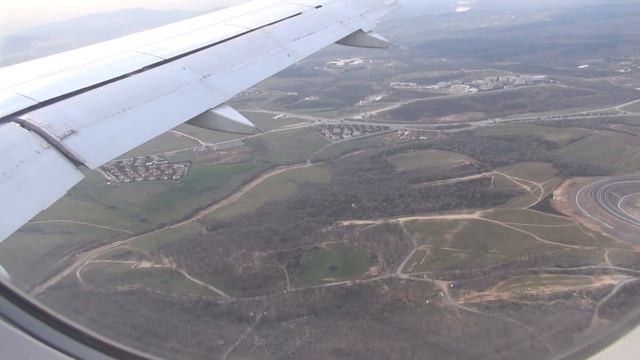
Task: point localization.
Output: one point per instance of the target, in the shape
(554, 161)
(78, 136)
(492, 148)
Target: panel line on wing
(136, 72)
(50, 139)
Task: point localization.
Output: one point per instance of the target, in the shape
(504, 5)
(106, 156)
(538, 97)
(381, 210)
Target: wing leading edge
(88, 106)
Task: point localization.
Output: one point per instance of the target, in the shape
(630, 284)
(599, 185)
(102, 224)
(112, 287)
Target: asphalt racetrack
(613, 204)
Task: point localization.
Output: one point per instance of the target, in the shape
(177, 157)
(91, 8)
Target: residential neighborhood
(343, 132)
(469, 87)
(144, 169)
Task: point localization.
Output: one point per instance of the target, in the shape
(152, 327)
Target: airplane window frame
(68, 338)
(57, 332)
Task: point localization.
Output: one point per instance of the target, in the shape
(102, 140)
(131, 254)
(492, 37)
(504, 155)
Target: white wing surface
(88, 106)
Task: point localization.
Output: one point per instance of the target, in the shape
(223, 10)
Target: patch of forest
(504, 150)
(242, 254)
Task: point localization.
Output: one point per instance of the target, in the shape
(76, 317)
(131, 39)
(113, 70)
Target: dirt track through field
(87, 256)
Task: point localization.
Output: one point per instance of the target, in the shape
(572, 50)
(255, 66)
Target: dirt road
(87, 256)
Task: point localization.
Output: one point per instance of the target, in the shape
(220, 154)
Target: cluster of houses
(256, 92)
(629, 66)
(371, 99)
(343, 132)
(510, 81)
(474, 86)
(622, 66)
(145, 168)
(406, 134)
(343, 64)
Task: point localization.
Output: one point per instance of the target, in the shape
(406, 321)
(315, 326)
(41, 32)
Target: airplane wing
(88, 106)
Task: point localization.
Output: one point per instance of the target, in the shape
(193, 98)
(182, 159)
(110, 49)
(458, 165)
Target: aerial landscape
(471, 193)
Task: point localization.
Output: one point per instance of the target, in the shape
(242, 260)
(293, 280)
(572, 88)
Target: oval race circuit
(614, 197)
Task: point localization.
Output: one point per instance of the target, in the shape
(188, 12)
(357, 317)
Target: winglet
(361, 39)
(226, 119)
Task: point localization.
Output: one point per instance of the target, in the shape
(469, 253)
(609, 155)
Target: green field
(617, 151)
(485, 237)
(635, 107)
(163, 143)
(95, 201)
(536, 172)
(578, 257)
(330, 264)
(502, 103)
(203, 185)
(573, 234)
(38, 251)
(108, 276)
(325, 112)
(86, 210)
(143, 206)
(275, 188)
(467, 245)
(521, 216)
(449, 260)
(438, 233)
(504, 183)
(427, 159)
(150, 242)
(287, 147)
(347, 147)
(532, 284)
(123, 254)
(625, 258)
(520, 202)
(560, 136)
(542, 174)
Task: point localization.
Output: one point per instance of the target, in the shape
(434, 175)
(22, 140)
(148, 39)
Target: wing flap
(33, 176)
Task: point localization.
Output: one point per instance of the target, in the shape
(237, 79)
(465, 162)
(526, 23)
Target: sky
(19, 15)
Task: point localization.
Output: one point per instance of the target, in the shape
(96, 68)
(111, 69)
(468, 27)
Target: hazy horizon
(16, 17)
